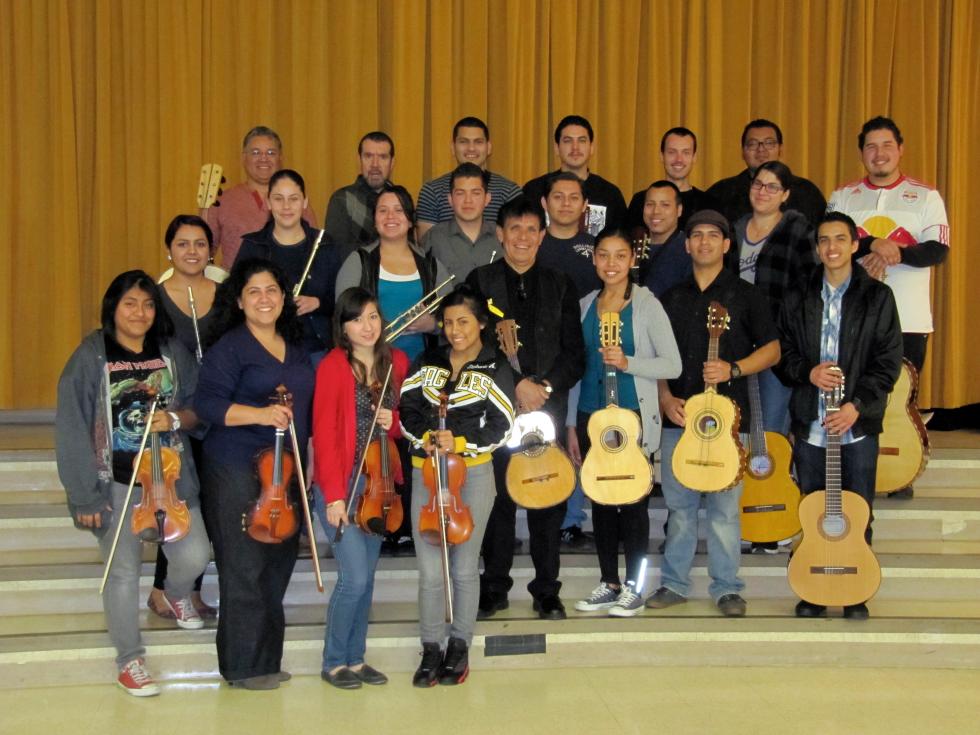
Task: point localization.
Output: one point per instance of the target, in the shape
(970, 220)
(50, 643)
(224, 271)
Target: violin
(272, 518)
(445, 519)
(379, 509)
(160, 517)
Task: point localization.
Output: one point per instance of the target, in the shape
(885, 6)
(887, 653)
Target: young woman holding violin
(647, 353)
(347, 384)
(104, 396)
(478, 386)
(190, 246)
(257, 349)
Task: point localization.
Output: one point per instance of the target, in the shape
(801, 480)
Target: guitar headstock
(641, 248)
(609, 328)
(718, 319)
(282, 397)
(209, 186)
(507, 336)
(834, 398)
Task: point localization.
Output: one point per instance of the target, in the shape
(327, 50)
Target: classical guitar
(834, 565)
(539, 473)
(903, 445)
(709, 457)
(615, 470)
(771, 499)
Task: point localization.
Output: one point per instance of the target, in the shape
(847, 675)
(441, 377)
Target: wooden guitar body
(770, 498)
(709, 457)
(539, 473)
(615, 471)
(834, 565)
(903, 445)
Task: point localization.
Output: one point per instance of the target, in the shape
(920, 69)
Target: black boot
(456, 665)
(425, 674)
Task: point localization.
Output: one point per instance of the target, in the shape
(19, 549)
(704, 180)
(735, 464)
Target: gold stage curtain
(111, 106)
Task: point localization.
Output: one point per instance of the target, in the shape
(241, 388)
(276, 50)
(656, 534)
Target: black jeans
(544, 528)
(614, 523)
(252, 577)
(859, 463)
(914, 349)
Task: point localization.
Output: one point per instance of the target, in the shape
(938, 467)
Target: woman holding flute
(307, 258)
(187, 294)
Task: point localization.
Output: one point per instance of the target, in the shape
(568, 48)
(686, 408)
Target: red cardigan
(334, 417)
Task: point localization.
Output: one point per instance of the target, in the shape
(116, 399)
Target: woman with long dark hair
(479, 384)
(342, 413)
(104, 396)
(190, 250)
(257, 347)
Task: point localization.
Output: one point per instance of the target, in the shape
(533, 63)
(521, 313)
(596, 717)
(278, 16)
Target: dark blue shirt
(573, 257)
(238, 369)
(666, 265)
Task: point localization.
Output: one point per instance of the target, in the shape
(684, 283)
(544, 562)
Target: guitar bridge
(836, 571)
(613, 478)
(704, 463)
(540, 478)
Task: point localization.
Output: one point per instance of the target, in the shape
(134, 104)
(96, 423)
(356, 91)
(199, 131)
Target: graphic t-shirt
(133, 380)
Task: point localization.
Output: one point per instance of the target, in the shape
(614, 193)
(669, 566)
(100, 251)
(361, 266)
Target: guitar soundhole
(707, 426)
(760, 466)
(532, 444)
(613, 439)
(833, 526)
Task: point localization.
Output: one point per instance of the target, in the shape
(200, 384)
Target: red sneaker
(136, 680)
(184, 611)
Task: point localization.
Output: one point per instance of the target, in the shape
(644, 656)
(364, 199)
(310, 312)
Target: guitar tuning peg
(223, 181)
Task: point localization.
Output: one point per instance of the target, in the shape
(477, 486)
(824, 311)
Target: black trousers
(544, 528)
(914, 349)
(252, 577)
(614, 523)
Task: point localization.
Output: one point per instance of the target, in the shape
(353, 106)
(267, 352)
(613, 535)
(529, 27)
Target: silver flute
(197, 333)
(309, 262)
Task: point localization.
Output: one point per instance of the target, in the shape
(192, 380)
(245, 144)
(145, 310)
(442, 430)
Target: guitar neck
(611, 385)
(712, 355)
(758, 430)
(833, 502)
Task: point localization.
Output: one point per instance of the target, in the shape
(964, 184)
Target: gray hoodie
(83, 426)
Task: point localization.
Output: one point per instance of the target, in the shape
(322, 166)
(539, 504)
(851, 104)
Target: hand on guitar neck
(826, 377)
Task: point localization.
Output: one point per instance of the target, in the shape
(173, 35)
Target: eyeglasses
(258, 152)
(772, 188)
(769, 144)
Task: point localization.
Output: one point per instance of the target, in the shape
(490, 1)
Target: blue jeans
(575, 514)
(775, 402)
(345, 639)
(724, 530)
(859, 463)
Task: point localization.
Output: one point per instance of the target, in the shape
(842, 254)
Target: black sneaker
(806, 609)
(856, 612)
(905, 493)
(765, 547)
(425, 674)
(575, 538)
(456, 664)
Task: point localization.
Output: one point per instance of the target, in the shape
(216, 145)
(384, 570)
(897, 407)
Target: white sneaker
(601, 598)
(136, 680)
(627, 604)
(184, 611)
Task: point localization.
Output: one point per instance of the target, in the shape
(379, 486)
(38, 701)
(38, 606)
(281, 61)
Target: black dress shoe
(490, 604)
(456, 664)
(343, 679)
(370, 675)
(806, 609)
(550, 607)
(856, 612)
(428, 670)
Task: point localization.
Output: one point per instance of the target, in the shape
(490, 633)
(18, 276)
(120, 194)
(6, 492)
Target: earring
(170, 258)
(210, 259)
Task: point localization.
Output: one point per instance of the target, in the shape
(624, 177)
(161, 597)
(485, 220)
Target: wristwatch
(736, 370)
(174, 421)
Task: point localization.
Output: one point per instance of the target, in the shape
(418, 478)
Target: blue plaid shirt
(833, 302)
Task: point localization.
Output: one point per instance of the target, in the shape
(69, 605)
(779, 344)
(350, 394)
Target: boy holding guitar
(749, 344)
(846, 322)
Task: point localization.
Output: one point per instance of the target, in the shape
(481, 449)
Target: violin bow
(129, 495)
(355, 475)
(305, 502)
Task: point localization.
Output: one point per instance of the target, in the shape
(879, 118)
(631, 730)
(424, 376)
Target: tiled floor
(567, 702)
